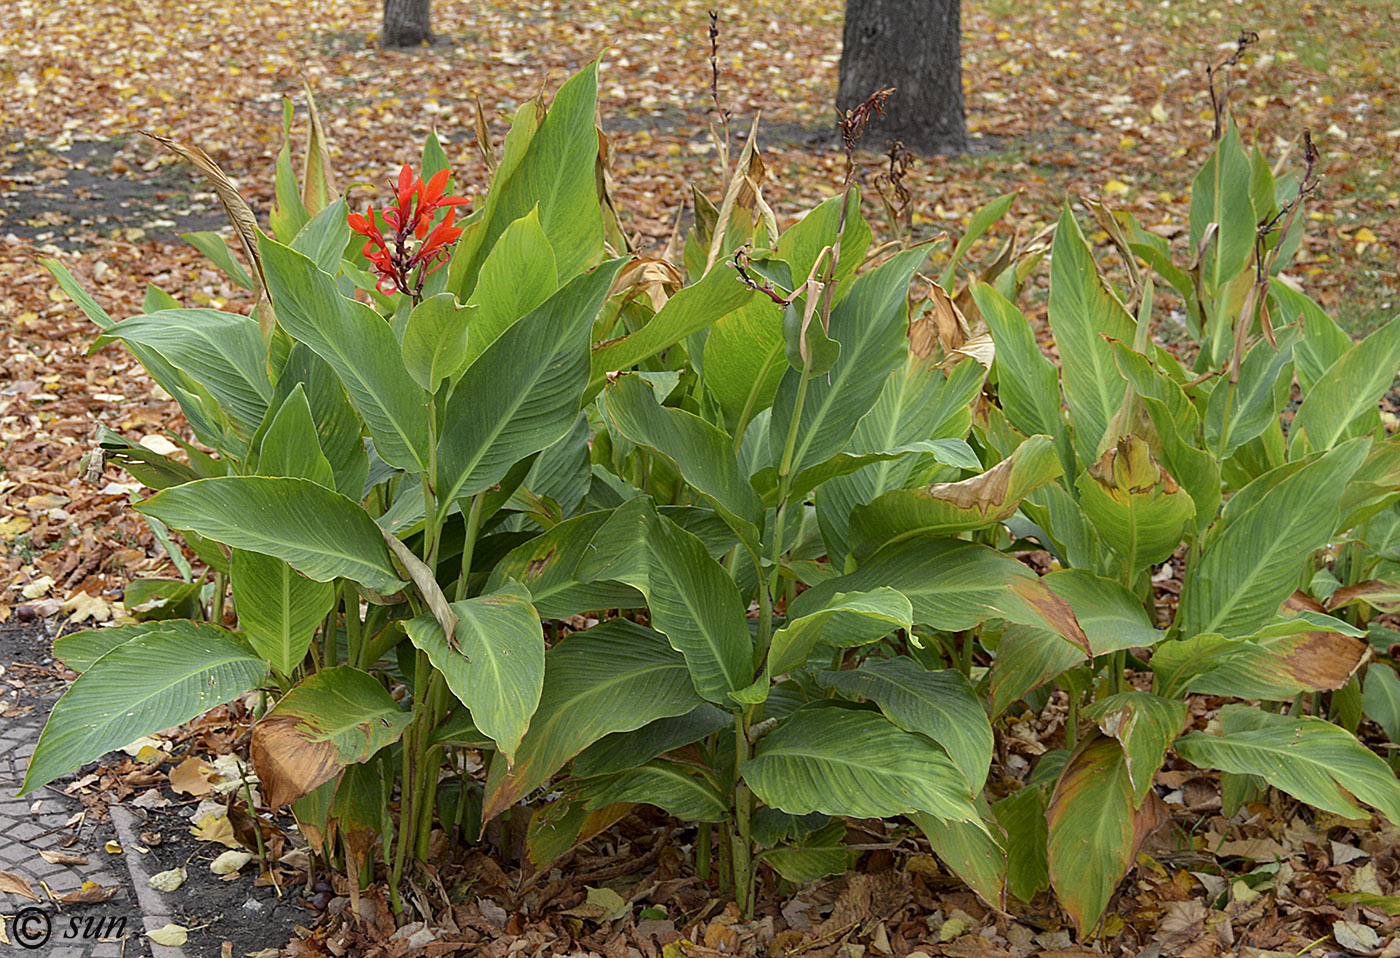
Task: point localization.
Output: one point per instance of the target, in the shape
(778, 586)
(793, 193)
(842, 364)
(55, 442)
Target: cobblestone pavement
(42, 821)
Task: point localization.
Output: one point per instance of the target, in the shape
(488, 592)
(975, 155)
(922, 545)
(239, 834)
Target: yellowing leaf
(113, 848)
(1115, 187)
(172, 935)
(1159, 113)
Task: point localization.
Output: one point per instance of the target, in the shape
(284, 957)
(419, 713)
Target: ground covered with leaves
(1064, 99)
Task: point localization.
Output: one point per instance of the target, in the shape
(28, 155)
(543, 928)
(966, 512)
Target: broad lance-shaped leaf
(811, 857)
(523, 392)
(1095, 829)
(359, 346)
(1145, 725)
(1309, 758)
(949, 452)
(1220, 198)
(79, 650)
(278, 608)
(222, 352)
(1022, 816)
(318, 532)
(545, 565)
(434, 343)
(1028, 385)
(939, 704)
(1380, 697)
(338, 427)
(1308, 653)
(844, 620)
(1134, 504)
(333, 718)
(870, 324)
(495, 665)
(290, 446)
(614, 677)
(518, 274)
(1252, 564)
(157, 680)
(702, 453)
(1083, 310)
(955, 585)
(1351, 387)
(976, 853)
(619, 751)
(951, 507)
(670, 786)
(692, 600)
(856, 763)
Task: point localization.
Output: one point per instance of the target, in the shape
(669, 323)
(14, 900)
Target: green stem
(354, 633)
(220, 587)
(704, 850)
(965, 653)
(469, 543)
(1072, 721)
(743, 815)
(329, 652)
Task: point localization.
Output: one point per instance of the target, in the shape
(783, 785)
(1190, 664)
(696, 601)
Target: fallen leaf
(172, 935)
(61, 858)
(17, 885)
(89, 894)
(229, 862)
(168, 880)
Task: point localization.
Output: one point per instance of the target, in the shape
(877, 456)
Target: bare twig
(1219, 100)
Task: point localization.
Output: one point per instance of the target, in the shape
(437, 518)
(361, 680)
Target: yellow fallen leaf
(113, 848)
(167, 880)
(1364, 235)
(1159, 113)
(38, 587)
(1115, 187)
(172, 935)
(229, 862)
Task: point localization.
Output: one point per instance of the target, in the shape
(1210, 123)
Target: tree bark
(914, 46)
(407, 23)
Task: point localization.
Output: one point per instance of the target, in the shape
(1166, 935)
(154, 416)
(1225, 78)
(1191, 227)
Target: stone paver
(38, 822)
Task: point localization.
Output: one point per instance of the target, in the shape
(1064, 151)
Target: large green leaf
(811, 857)
(523, 392)
(1136, 506)
(975, 852)
(278, 608)
(318, 532)
(1022, 816)
(692, 600)
(623, 750)
(917, 403)
(518, 275)
(1094, 829)
(1252, 564)
(1027, 383)
(495, 662)
(545, 565)
(869, 323)
(802, 242)
(612, 678)
(856, 763)
(359, 345)
(1380, 697)
(945, 508)
(1145, 725)
(156, 681)
(290, 447)
(939, 704)
(954, 585)
(548, 161)
(1309, 758)
(1239, 411)
(1350, 388)
(1220, 197)
(333, 718)
(702, 453)
(338, 426)
(845, 620)
(435, 341)
(222, 352)
(681, 792)
(1083, 310)
(744, 357)
(79, 650)
(692, 309)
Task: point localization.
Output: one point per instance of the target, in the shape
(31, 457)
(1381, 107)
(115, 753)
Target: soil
(214, 910)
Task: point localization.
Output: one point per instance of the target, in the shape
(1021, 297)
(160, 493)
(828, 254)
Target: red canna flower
(411, 216)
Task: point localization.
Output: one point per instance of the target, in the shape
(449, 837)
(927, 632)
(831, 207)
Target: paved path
(39, 822)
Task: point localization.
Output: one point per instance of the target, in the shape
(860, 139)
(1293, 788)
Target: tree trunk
(915, 47)
(407, 23)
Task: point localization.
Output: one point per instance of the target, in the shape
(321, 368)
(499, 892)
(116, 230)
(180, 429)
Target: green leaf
(976, 853)
(844, 620)
(1220, 196)
(291, 447)
(359, 345)
(338, 426)
(1380, 697)
(939, 704)
(278, 608)
(672, 787)
(1349, 389)
(1252, 563)
(949, 452)
(692, 309)
(545, 565)
(950, 507)
(1094, 832)
(79, 650)
(319, 532)
(1145, 725)
(325, 236)
(612, 678)
(1083, 310)
(815, 856)
(802, 243)
(549, 160)
(1309, 758)
(215, 247)
(523, 392)
(981, 221)
(157, 680)
(1239, 411)
(693, 601)
(1138, 509)
(336, 717)
(844, 762)
(434, 343)
(702, 453)
(222, 352)
(744, 357)
(518, 275)
(623, 750)
(495, 666)
(1027, 382)
(1022, 816)
(870, 324)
